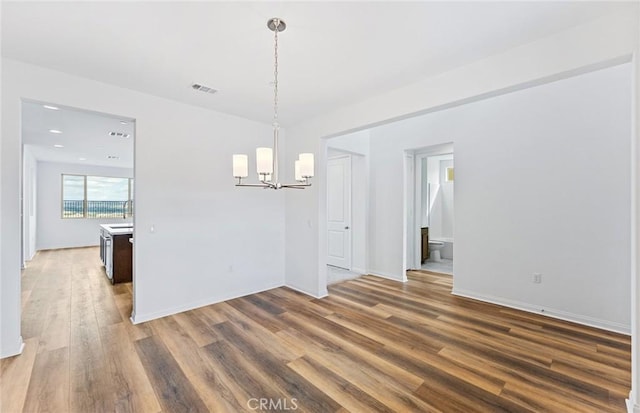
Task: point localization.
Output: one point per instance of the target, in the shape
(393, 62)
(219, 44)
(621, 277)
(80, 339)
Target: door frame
(414, 180)
(409, 221)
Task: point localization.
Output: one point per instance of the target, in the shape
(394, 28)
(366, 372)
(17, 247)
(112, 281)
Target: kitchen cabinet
(116, 252)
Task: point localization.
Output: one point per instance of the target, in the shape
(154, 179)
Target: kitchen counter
(118, 229)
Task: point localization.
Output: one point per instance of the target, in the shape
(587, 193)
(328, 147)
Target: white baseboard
(15, 350)
(142, 318)
(549, 312)
(388, 276)
(631, 406)
(322, 293)
(359, 271)
(68, 247)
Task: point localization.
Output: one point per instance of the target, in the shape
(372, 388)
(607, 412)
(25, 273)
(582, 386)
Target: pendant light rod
(269, 178)
(278, 26)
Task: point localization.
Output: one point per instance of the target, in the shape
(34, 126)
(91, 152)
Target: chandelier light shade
(267, 158)
(306, 165)
(240, 166)
(264, 161)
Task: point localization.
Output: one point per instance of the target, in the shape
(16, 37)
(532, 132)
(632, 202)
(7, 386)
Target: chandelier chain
(275, 75)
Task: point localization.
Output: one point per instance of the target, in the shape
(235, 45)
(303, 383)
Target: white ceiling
(332, 53)
(85, 136)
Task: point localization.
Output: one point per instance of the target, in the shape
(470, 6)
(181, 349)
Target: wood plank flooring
(373, 345)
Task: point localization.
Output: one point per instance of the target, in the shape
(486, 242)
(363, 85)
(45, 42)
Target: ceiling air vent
(202, 88)
(119, 134)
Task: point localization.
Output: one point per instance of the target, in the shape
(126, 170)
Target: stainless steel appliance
(106, 252)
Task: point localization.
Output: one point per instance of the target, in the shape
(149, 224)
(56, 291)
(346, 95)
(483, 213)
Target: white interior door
(339, 212)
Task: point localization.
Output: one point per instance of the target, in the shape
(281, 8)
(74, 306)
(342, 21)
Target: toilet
(434, 250)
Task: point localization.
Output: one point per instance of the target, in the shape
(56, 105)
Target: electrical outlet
(537, 278)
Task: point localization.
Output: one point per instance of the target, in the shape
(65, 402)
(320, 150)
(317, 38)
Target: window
(73, 196)
(86, 196)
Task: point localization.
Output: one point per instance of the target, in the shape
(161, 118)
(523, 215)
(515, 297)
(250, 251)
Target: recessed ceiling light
(55, 131)
(50, 107)
(58, 146)
(82, 159)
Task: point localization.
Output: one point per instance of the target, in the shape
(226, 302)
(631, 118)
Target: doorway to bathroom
(430, 209)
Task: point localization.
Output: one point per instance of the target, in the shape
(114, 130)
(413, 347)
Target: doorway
(78, 174)
(429, 206)
(347, 207)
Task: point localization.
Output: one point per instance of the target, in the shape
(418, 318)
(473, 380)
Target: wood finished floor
(372, 346)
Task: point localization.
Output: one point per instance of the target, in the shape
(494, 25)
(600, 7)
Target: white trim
(631, 406)
(410, 250)
(17, 349)
(137, 319)
(388, 276)
(347, 154)
(323, 292)
(549, 312)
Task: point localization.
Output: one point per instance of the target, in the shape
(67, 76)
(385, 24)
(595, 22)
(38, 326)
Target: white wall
(633, 403)
(579, 50)
(612, 39)
(446, 201)
(425, 198)
(212, 241)
(542, 179)
(55, 232)
(29, 195)
(440, 210)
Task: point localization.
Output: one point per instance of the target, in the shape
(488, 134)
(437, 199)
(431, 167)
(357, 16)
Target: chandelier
(267, 158)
